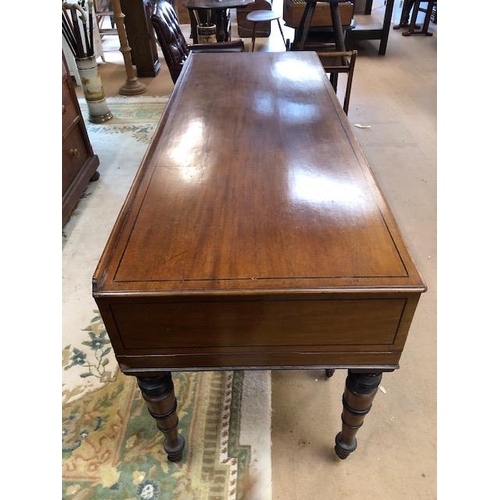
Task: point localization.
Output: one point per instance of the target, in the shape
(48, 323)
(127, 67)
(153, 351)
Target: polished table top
(254, 234)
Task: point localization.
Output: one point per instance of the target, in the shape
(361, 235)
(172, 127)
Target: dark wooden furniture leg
(194, 24)
(337, 27)
(427, 19)
(360, 389)
(158, 392)
(381, 34)
(305, 23)
(389, 6)
(217, 18)
(254, 29)
(140, 35)
(405, 15)
(413, 28)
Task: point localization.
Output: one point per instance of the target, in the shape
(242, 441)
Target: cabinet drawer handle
(74, 153)
(64, 109)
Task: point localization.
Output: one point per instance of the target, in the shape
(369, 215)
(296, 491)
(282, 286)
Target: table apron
(258, 333)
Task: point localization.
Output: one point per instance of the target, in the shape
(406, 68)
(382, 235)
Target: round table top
(262, 15)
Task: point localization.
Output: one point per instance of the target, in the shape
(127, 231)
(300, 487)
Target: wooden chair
(173, 44)
(340, 62)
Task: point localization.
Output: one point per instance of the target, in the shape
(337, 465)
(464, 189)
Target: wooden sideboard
(79, 163)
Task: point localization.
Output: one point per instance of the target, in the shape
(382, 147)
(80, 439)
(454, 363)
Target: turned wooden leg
(158, 392)
(360, 389)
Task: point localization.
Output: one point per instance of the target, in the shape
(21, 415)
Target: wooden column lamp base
(132, 86)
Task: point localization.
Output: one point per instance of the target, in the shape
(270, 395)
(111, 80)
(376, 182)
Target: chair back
(170, 37)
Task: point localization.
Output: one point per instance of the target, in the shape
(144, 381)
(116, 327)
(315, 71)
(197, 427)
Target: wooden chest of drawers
(79, 163)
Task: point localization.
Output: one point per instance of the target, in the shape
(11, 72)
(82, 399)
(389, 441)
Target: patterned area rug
(111, 448)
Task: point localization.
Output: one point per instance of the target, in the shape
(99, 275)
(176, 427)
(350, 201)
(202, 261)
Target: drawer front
(256, 324)
(69, 111)
(74, 156)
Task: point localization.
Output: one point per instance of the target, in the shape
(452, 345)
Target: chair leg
(281, 31)
(350, 76)
(253, 36)
(334, 79)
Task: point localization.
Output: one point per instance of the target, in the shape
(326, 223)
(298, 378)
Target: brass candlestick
(132, 86)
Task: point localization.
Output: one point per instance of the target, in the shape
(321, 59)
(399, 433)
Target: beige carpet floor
(395, 97)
